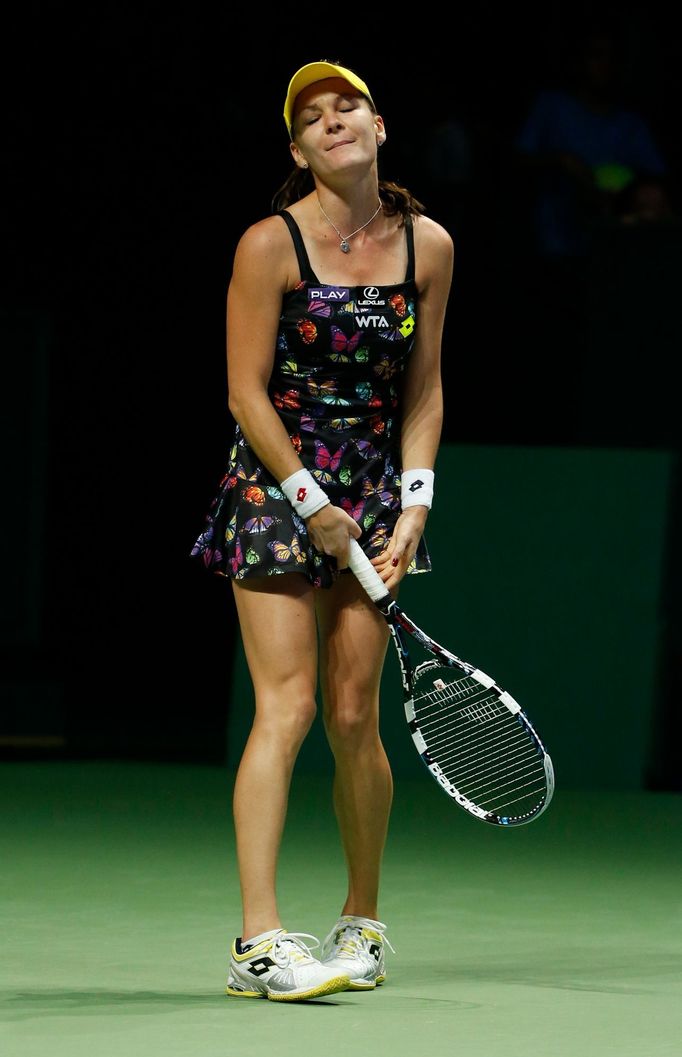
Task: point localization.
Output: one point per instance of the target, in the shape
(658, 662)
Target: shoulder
(432, 242)
(264, 238)
(266, 249)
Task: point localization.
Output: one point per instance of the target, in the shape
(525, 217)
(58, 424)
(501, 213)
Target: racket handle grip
(367, 575)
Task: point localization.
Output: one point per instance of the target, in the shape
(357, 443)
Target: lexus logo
(371, 292)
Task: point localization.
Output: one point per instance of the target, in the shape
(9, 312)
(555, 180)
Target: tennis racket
(475, 739)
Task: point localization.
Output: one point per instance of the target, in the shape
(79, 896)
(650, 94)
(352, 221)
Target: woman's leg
(277, 621)
(353, 641)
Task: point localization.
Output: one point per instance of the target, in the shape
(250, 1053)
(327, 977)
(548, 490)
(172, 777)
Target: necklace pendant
(344, 247)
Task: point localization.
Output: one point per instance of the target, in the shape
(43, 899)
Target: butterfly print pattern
(336, 385)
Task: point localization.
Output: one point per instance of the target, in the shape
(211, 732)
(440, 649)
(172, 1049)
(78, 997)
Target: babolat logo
(329, 293)
(371, 294)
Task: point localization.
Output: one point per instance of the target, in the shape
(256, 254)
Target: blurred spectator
(589, 271)
(646, 201)
(591, 157)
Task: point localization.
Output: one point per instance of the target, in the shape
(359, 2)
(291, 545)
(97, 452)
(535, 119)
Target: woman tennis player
(335, 314)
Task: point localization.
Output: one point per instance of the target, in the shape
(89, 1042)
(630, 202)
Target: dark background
(139, 144)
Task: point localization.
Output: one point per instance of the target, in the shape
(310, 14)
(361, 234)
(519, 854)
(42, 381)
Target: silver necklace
(344, 247)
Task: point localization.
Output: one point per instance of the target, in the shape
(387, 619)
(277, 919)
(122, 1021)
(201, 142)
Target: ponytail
(395, 199)
(297, 184)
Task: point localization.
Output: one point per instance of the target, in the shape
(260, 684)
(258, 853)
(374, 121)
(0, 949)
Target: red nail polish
(394, 561)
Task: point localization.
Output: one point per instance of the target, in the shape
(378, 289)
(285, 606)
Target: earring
(305, 165)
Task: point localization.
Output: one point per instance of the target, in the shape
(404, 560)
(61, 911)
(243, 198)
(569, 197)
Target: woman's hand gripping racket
(473, 736)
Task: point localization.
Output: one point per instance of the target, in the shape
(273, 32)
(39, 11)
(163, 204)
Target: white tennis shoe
(355, 946)
(280, 967)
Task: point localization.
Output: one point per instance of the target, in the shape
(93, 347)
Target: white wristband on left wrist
(416, 488)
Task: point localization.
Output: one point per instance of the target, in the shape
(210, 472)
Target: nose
(334, 123)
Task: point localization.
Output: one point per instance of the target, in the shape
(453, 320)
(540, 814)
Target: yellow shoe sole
(244, 994)
(367, 987)
(330, 987)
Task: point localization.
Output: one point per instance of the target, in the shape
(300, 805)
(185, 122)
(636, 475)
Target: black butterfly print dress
(336, 384)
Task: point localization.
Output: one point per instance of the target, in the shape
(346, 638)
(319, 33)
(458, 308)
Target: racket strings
(498, 788)
(499, 731)
(454, 721)
(520, 751)
(457, 690)
(490, 769)
(446, 712)
(481, 747)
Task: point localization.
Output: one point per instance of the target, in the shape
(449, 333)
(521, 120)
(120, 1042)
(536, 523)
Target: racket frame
(400, 624)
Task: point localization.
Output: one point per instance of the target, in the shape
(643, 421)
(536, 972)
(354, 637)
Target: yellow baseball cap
(317, 71)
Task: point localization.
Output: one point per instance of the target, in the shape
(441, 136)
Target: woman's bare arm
(260, 277)
(422, 395)
(254, 301)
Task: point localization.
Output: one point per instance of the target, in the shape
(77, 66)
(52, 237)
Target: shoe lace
(289, 947)
(346, 935)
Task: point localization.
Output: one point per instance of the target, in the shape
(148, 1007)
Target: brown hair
(395, 199)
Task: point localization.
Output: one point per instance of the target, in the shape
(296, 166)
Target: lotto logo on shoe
(260, 966)
(375, 951)
(301, 494)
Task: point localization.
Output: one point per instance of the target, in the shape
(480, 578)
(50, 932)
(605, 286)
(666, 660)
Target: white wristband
(304, 493)
(416, 488)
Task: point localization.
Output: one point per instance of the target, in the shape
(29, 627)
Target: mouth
(339, 143)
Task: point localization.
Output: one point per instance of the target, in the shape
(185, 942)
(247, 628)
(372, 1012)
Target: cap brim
(317, 71)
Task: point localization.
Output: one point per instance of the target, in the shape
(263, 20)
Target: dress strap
(307, 274)
(409, 233)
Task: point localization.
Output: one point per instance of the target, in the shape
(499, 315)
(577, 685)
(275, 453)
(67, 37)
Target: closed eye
(342, 110)
(350, 105)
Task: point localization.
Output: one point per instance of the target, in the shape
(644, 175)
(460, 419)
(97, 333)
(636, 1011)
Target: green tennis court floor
(119, 897)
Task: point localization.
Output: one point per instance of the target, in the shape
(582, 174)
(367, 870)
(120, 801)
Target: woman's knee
(286, 713)
(350, 720)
